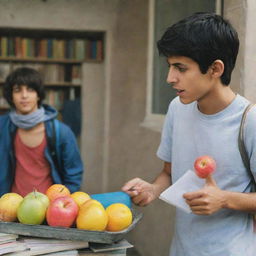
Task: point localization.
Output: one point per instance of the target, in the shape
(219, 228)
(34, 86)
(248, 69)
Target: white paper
(187, 183)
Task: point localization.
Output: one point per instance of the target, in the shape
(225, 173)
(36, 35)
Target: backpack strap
(53, 143)
(241, 144)
(56, 124)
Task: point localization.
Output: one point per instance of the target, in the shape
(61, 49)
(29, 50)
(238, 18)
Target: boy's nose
(24, 93)
(171, 77)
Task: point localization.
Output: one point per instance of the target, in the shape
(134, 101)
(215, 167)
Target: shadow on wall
(133, 252)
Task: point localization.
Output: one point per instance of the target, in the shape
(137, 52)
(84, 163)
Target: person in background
(27, 161)
(204, 119)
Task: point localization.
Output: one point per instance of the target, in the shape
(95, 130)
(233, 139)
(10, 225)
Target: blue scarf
(28, 121)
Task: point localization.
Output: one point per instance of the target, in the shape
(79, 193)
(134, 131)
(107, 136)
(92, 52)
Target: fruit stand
(74, 225)
(68, 233)
(98, 239)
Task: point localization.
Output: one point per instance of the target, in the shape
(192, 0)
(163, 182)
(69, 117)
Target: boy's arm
(211, 198)
(241, 201)
(72, 165)
(143, 193)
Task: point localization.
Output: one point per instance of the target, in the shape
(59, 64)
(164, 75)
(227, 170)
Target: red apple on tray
(204, 166)
(62, 212)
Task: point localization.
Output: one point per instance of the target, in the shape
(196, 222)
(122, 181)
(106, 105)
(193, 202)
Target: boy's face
(25, 99)
(185, 77)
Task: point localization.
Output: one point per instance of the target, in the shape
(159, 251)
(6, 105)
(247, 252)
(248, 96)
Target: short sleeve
(165, 147)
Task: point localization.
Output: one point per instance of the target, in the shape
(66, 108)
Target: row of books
(55, 98)
(52, 48)
(15, 245)
(51, 73)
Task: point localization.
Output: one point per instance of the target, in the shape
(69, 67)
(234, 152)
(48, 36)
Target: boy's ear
(217, 68)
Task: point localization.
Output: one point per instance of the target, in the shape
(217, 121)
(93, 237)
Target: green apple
(40, 196)
(32, 209)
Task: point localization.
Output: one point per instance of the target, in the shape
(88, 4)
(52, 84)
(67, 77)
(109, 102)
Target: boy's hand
(207, 200)
(141, 192)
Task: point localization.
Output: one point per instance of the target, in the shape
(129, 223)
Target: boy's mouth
(180, 92)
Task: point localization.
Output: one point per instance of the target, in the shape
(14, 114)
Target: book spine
(4, 46)
(51, 48)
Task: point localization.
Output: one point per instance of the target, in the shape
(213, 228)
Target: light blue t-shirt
(188, 134)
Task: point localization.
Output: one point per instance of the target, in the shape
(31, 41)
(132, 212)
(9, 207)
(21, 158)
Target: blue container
(107, 199)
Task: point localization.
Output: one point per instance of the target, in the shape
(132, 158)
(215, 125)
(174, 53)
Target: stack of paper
(187, 183)
(42, 246)
(5, 238)
(38, 246)
(12, 247)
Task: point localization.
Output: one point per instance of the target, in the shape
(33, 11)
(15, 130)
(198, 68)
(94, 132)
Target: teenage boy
(204, 119)
(26, 162)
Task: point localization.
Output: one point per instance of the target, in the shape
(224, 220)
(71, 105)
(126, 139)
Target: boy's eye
(16, 89)
(178, 67)
(181, 69)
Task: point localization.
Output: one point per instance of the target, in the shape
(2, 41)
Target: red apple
(204, 166)
(62, 212)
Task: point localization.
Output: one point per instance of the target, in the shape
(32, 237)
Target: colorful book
(4, 46)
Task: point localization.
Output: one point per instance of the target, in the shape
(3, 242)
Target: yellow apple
(9, 204)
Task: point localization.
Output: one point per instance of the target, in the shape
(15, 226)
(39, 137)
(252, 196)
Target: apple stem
(61, 189)
(34, 191)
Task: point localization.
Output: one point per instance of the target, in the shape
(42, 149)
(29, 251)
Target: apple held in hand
(204, 166)
(62, 212)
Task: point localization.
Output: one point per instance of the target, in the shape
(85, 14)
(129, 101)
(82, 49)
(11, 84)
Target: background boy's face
(25, 99)
(185, 77)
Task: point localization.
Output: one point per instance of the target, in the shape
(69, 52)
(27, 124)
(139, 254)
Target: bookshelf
(57, 54)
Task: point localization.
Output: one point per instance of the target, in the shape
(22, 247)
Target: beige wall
(132, 148)
(241, 13)
(124, 148)
(115, 147)
(249, 82)
(234, 11)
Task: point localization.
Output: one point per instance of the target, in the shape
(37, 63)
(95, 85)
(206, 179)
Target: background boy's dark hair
(24, 76)
(203, 37)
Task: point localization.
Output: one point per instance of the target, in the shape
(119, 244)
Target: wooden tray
(68, 233)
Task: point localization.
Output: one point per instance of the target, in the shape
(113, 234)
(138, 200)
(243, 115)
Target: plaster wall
(235, 12)
(242, 15)
(132, 147)
(59, 14)
(250, 51)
